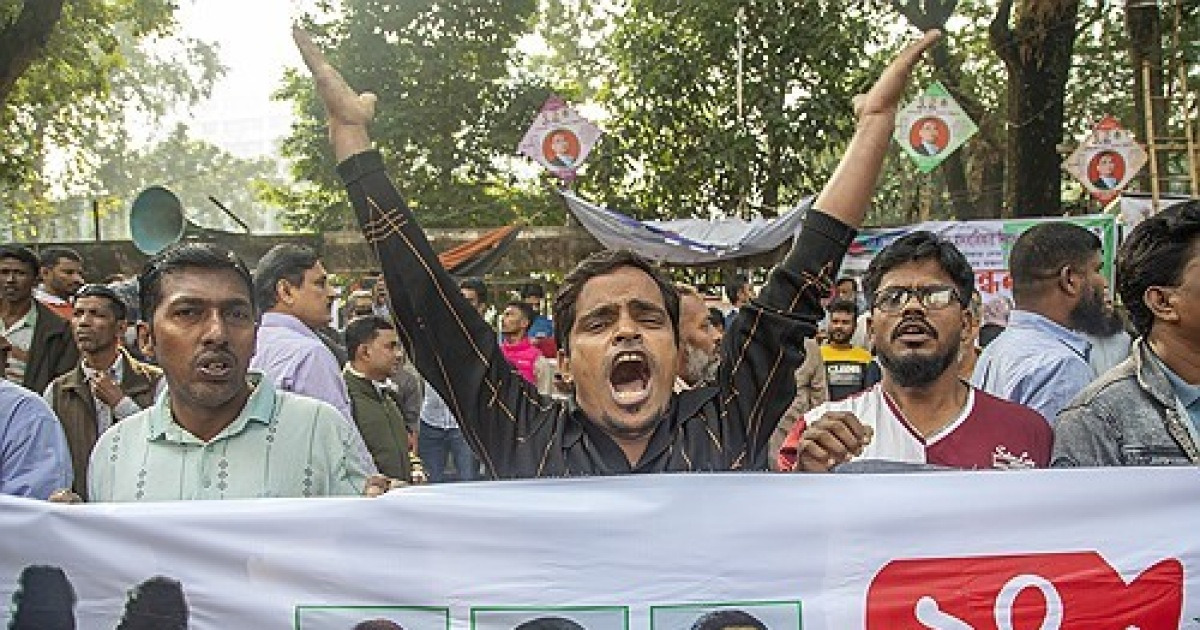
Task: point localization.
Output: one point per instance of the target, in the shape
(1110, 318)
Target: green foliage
(451, 107)
(63, 93)
(678, 143)
(190, 168)
(109, 65)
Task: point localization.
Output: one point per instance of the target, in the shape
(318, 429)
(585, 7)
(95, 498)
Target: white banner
(1059, 549)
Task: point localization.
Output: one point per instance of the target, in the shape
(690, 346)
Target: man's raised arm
(348, 112)
(847, 194)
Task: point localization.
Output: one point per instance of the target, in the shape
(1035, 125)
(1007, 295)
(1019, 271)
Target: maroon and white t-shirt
(990, 433)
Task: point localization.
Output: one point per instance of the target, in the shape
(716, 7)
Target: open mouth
(914, 333)
(629, 378)
(215, 367)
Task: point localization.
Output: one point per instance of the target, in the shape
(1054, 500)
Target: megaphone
(156, 221)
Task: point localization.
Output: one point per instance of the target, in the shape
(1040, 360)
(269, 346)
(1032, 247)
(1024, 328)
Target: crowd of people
(210, 381)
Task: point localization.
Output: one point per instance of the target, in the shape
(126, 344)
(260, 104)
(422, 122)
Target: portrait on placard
(560, 147)
(929, 136)
(1106, 170)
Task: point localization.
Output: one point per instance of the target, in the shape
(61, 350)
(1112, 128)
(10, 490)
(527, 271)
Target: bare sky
(255, 45)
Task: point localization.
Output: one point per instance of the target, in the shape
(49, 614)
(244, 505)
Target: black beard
(917, 370)
(1091, 316)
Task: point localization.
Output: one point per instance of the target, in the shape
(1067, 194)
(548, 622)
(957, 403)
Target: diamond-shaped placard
(932, 127)
(559, 139)
(1106, 160)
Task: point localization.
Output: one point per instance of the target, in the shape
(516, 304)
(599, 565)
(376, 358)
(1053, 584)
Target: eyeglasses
(936, 297)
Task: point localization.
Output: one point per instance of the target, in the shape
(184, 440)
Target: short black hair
(116, 302)
(549, 623)
(378, 624)
(1041, 252)
(532, 289)
(720, 619)
(599, 264)
(49, 256)
(716, 317)
(734, 287)
(917, 247)
(156, 604)
(526, 309)
(186, 255)
(21, 254)
(477, 285)
(362, 330)
(842, 305)
(1155, 254)
(285, 261)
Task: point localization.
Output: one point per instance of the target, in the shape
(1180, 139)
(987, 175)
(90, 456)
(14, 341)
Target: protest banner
(985, 244)
(1016, 550)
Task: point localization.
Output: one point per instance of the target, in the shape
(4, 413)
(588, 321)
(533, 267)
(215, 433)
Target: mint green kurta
(281, 445)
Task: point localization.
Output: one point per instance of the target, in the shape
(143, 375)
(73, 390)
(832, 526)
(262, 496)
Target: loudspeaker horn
(156, 221)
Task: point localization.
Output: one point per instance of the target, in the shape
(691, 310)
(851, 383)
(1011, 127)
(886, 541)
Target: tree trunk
(1037, 53)
(1143, 24)
(964, 203)
(24, 39)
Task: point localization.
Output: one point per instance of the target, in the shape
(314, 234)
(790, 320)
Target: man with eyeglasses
(921, 412)
(1041, 358)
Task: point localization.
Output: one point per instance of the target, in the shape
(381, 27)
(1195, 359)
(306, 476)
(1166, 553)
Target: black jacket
(52, 351)
(518, 433)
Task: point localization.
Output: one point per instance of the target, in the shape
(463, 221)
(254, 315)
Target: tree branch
(24, 40)
(1001, 36)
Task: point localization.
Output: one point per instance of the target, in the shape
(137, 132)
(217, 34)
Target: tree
(61, 72)
(729, 106)
(1036, 46)
(451, 109)
(23, 38)
(192, 169)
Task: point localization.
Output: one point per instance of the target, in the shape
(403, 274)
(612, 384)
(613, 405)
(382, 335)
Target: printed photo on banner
(763, 615)
(372, 618)
(550, 618)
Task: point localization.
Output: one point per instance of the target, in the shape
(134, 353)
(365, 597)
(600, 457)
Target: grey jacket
(1128, 417)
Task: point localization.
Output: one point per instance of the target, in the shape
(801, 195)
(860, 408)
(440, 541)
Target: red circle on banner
(561, 149)
(932, 130)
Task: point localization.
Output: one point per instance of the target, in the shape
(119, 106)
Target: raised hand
(847, 194)
(348, 111)
(884, 96)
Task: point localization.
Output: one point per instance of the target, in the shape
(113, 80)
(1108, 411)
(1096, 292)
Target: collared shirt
(1186, 394)
(106, 415)
(20, 335)
(34, 457)
(296, 359)
(435, 412)
(1035, 362)
(62, 308)
(280, 445)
